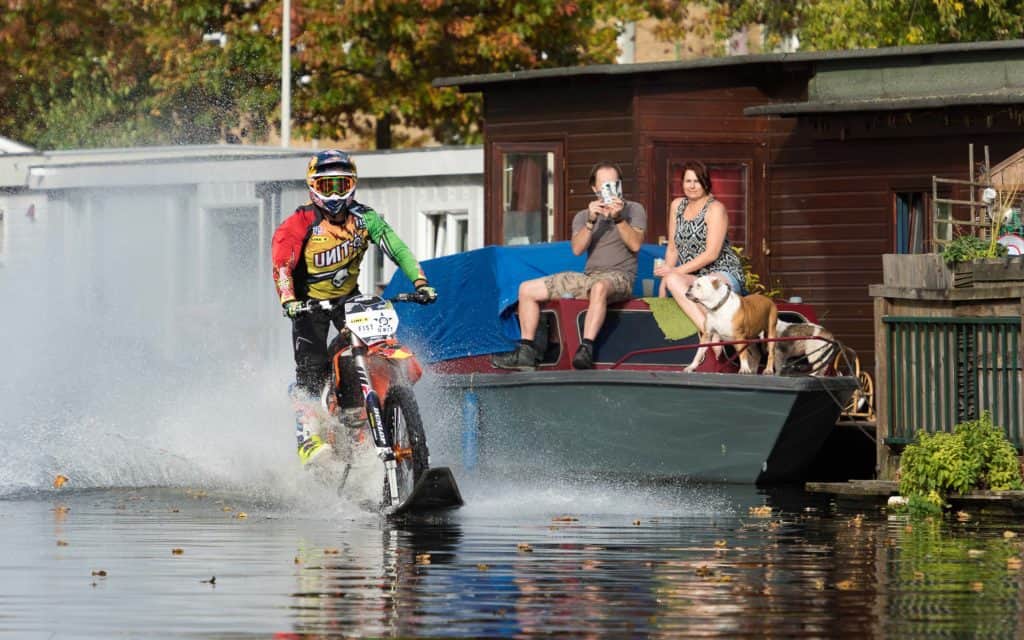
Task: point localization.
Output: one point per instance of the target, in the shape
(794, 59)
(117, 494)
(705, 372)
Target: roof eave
(794, 109)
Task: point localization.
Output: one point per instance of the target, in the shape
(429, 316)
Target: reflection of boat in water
(637, 412)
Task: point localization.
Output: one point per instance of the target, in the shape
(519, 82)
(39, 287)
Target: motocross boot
(311, 447)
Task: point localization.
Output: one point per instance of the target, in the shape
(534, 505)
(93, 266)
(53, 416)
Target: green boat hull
(706, 427)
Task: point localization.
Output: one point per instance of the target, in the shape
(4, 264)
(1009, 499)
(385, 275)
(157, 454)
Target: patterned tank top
(692, 238)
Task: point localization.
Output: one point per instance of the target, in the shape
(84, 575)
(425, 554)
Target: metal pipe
(286, 72)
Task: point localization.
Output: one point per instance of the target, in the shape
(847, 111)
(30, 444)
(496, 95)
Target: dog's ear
(715, 282)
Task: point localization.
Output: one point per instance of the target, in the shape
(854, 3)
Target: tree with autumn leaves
(116, 72)
(822, 25)
(122, 72)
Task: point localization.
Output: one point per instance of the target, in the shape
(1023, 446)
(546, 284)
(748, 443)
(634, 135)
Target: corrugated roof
(471, 83)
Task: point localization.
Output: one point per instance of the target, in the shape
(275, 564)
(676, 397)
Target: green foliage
(375, 62)
(114, 72)
(751, 280)
(855, 24)
(966, 248)
(976, 455)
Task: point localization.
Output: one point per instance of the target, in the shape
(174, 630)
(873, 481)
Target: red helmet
(331, 177)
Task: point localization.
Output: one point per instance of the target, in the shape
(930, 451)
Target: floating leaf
(241, 515)
(1014, 562)
(1009, 534)
(525, 548)
(59, 480)
(174, 510)
(177, 552)
(975, 553)
(62, 543)
(764, 511)
(331, 551)
(919, 575)
(720, 543)
(857, 520)
(61, 509)
(963, 516)
(844, 585)
(227, 508)
(704, 571)
(100, 572)
(482, 567)
(636, 523)
(298, 560)
(977, 586)
(423, 558)
(564, 519)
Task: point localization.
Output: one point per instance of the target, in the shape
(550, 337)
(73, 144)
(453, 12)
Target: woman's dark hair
(603, 165)
(699, 170)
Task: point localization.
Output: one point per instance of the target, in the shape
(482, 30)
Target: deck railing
(944, 370)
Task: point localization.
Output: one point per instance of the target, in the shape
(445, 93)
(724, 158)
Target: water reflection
(808, 570)
(802, 567)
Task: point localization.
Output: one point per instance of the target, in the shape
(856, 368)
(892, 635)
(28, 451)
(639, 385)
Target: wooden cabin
(824, 160)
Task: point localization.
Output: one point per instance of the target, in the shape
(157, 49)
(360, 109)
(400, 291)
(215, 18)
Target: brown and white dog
(817, 351)
(734, 317)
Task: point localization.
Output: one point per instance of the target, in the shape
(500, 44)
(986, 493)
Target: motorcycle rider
(316, 253)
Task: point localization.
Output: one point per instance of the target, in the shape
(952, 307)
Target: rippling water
(561, 558)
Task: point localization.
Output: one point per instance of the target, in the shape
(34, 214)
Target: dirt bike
(365, 351)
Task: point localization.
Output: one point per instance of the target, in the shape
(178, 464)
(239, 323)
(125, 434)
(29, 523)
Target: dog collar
(722, 301)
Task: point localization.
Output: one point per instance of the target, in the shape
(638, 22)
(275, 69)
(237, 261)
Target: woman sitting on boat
(697, 224)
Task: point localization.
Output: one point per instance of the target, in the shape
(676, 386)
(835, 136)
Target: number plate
(371, 318)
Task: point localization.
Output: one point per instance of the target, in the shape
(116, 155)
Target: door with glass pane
(525, 194)
(737, 181)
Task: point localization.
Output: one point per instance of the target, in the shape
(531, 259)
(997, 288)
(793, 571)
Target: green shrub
(976, 455)
(967, 248)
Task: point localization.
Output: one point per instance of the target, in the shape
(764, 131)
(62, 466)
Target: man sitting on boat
(611, 231)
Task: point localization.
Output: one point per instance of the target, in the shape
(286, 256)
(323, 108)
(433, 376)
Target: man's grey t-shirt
(607, 251)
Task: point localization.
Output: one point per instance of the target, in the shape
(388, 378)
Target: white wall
(194, 252)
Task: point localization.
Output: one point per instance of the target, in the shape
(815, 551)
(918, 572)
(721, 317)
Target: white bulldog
(734, 317)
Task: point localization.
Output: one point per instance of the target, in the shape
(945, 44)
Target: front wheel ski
(403, 423)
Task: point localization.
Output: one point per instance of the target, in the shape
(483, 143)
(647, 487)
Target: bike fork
(381, 437)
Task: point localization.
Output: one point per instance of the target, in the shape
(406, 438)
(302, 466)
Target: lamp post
(286, 71)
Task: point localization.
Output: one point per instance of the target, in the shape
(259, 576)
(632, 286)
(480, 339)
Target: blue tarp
(477, 292)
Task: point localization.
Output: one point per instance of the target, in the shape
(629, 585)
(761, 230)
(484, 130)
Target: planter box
(1008, 269)
(928, 271)
(922, 271)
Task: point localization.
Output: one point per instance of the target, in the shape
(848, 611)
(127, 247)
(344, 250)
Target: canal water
(558, 557)
(144, 359)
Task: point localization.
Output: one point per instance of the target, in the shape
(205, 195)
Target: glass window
(910, 222)
(527, 197)
(447, 232)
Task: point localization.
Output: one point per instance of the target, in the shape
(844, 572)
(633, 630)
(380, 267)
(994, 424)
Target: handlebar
(310, 306)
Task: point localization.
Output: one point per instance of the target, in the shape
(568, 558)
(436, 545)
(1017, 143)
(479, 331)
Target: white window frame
(453, 214)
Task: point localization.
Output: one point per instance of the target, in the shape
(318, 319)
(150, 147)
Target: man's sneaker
(523, 358)
(313, 449)
(584, 358)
